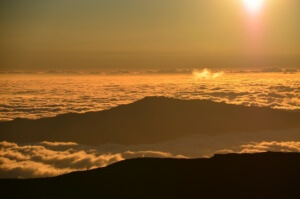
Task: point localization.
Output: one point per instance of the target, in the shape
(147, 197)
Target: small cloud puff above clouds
(206, 74)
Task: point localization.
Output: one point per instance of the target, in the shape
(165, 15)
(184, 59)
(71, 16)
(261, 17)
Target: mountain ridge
(259, 175)
(150, 120)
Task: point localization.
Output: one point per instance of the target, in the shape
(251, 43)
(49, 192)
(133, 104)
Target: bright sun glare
(253, 6)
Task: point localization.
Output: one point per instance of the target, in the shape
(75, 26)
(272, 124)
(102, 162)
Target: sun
(253, 6)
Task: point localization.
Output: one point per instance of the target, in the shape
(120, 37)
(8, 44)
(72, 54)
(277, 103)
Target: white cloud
(27, 169)
(206, 74)
(35, 160)
(40, 159)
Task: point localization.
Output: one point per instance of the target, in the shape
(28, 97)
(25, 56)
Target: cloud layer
(37, 96)
(55, 158)
(42, 160)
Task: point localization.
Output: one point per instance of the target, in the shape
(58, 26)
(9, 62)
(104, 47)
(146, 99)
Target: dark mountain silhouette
(262, 175)
(150, 120)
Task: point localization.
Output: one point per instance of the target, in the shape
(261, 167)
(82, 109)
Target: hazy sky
(144, 34)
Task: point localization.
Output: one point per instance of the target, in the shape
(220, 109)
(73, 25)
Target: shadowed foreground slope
(262, 175)
(150, 120)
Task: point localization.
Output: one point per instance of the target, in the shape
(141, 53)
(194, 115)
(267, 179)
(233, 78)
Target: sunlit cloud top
(36, 96)
(206, 74)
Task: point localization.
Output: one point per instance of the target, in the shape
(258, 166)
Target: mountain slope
(262, 175)
(150, 120)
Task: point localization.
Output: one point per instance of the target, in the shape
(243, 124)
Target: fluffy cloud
(291, 146)
(206, 74)
(55, 158)
(258, 147)
(49, 159)
(26, 169)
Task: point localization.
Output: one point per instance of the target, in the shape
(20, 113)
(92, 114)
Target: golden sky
(143, 34)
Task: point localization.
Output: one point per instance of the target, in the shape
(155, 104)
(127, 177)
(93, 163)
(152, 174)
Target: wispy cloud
(59, 143)
(291, 146)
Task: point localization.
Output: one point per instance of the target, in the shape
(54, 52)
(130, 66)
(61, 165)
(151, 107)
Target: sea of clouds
(46, 95)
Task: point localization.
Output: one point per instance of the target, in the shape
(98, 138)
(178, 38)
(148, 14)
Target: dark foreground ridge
(262, 175)
(150, 120)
